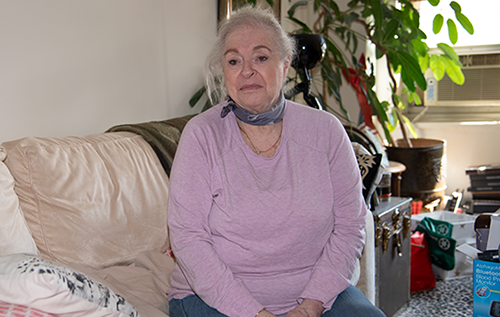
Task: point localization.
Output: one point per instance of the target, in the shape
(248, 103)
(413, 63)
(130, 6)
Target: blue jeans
(350, 303)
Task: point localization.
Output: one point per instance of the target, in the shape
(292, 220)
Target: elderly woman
(266, 213)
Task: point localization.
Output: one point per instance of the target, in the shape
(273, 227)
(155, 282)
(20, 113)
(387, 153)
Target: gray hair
(246, 16)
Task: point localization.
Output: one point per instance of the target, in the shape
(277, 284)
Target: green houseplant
(393, 28)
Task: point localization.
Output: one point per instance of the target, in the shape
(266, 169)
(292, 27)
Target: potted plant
(395, 33)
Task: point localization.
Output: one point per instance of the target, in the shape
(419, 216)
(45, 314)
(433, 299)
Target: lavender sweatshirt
(251, 232)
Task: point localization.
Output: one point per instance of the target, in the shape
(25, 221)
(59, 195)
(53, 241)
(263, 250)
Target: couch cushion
(97, 200)
(143, 285)
(14, 234)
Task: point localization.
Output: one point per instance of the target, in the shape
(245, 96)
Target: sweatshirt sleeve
(190, 202)
(333, 271)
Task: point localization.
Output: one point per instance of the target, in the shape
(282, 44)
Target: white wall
(72, 67)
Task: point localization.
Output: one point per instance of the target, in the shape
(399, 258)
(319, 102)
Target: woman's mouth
(249, 87)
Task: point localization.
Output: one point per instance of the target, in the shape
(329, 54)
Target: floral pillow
(56, 289)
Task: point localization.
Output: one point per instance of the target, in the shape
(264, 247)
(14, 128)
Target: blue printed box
(486, 288)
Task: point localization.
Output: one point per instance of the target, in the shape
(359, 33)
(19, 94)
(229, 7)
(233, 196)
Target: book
(479, 206)
(474, 183)
(483, 169)
(488, 195)
(493, 176)
(484, 189)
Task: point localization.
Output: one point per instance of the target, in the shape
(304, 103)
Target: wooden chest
(392, 254)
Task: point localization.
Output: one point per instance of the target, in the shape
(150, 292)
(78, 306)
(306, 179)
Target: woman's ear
(286, 65)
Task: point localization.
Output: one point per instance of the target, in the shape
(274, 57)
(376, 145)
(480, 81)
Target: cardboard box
(486, 288)
(462, 232)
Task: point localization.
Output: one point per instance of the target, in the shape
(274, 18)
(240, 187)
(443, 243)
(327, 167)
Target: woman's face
(254, 70)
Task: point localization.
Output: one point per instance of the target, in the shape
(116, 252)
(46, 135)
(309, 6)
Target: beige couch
(98, 205)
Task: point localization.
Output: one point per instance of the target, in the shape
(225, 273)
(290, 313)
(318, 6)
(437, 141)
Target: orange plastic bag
(421, 276)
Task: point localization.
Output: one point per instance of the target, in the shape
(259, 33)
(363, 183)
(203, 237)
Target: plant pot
(425, 174)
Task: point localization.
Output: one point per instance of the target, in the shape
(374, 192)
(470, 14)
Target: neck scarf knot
(271, 116)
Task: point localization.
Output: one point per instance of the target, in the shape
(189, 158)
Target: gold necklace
(253, 146)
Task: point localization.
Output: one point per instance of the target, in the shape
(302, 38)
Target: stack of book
(485, 188)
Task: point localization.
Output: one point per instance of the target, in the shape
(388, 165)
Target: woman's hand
(265, 313)
(308, 308)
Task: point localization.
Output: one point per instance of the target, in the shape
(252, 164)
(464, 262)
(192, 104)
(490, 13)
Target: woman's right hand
(265, 313)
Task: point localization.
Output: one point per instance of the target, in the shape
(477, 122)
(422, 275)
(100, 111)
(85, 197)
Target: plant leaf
(465, 23)
(420, 46)
(317, 3)
(329, 16)
(337, 55)
(410, 71)
(437, 66)
(351, 17)
(197, 96)
(399, 101)
(452, 31)
(456, 7)
(354, 43)
(305, 28)
(410, 126)
(437, 23)
(448, 51)
(416, 99)
(291, 11)
(377, 16)
(384, 116)
(207, 105)
(410, 97)
(333, 5)
(454, 71)
(433, 2)
(392, 118)
(390, 30)
(353, 3)
(423, 61)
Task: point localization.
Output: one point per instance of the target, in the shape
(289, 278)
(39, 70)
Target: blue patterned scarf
(271, 116)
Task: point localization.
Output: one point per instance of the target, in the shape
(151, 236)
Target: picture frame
(225, 7)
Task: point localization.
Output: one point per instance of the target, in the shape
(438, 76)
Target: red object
(416, 206)
(421, 275)
(169, 252)
(13, 310)
(355, 78)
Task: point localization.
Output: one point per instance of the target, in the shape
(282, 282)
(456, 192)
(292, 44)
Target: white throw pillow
(14, 234)
(57, 289)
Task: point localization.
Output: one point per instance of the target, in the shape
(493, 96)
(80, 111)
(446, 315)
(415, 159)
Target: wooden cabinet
(392, 220)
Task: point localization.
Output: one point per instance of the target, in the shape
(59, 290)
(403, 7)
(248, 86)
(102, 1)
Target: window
(480, 55)
(483, 14)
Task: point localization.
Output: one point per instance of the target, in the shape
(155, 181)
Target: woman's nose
(248, 70)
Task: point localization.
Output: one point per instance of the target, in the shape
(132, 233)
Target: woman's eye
(262, 58)
(232, 62)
